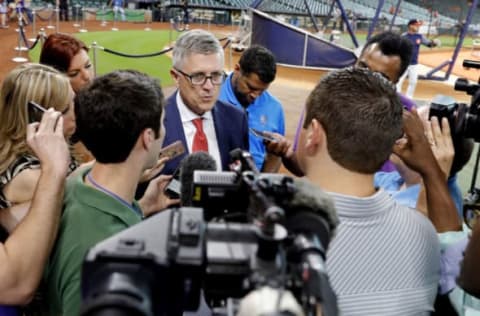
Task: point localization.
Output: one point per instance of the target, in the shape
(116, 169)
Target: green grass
(128, 42)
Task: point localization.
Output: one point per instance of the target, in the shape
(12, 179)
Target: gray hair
(196, 42)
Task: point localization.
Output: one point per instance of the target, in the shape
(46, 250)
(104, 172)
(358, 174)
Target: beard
(241, 97)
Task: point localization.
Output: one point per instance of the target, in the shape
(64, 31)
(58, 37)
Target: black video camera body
(464, 120)
(160, 266)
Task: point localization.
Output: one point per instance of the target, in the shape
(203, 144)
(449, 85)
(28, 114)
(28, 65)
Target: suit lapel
(174, 127)
(221, 135)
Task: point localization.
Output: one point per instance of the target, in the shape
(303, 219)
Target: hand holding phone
(174, 186)
(172, 151)
(263, 135)
(35, 112)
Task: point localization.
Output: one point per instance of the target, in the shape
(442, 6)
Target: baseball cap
(414, 21)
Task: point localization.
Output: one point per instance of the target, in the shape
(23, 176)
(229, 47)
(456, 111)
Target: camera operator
(353, 118)
(119, 120)
(24, 253)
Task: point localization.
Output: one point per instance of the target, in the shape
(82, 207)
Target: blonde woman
(19, 168)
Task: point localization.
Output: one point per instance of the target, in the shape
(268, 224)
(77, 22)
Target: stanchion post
(230, 55)
(114, 28)
(94, 50)
(77, 11)
(34, 25)
(42, 36)
(149, 18)
(83, 29)
(57, 14)
(50, 26)
(20, 48)
(104, 17)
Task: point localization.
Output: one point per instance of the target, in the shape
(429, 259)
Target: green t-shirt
(89, 216)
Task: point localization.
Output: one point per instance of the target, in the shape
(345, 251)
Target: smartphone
(172, 189)
(173, 150)
(263, 135)
(35, 112)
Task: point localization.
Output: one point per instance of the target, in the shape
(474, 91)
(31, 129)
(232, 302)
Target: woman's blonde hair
(28, 82)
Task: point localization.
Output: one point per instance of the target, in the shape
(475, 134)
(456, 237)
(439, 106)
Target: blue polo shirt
(264, 114)
(392, 181)
(8, 311)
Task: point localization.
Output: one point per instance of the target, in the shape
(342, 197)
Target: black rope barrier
(37, 40)
(45, 19)
(227, 43)
(166, 50)
(22, 33)
(104, 13)
(91, 12)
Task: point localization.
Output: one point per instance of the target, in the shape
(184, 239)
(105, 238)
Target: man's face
(198, 98)
(413, 28)
(373, 59)
(247, 87)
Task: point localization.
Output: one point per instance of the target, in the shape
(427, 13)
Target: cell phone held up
(35, 112)
(263, 135)
(174, 186)
(173, 150)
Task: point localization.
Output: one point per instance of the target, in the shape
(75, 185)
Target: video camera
(464, 119)
(163, 265)
(464, 124)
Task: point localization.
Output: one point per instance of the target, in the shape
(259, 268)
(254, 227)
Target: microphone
(312, 219)
(311, 210)
(197, 161)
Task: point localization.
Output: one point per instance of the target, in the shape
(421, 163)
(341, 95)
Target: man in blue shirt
(412, 70)
(118, 7)
(246, 88)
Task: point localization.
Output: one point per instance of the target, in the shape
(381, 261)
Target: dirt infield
(434, 58)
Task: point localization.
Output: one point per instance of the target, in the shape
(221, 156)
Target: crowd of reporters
(397, 250)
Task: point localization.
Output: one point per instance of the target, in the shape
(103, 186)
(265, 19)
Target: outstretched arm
(23, 256)
(415, 151)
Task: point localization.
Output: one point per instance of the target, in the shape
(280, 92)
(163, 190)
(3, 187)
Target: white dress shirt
(187, 116)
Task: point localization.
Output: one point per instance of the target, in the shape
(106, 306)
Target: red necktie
(200, 142)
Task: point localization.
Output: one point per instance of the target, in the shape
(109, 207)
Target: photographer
(24, 253)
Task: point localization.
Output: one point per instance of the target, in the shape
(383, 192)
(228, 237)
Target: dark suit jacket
(231, 128)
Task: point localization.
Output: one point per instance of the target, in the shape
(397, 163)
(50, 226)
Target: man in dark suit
(198, 61)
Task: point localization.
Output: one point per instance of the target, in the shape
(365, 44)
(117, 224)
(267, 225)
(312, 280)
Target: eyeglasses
(199, 78)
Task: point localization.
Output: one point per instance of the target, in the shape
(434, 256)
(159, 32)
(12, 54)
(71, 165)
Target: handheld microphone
(196, 161)
(311, 210)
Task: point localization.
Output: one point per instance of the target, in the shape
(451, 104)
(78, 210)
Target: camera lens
(470, 215)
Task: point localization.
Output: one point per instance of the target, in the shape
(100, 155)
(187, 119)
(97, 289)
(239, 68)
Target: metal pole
(104, 22)
(83, 29)
(371, 29)
(230, 55)
(20, 48)
(42, 36)
(77, 11)
(57, 16)
(397, 9)
(34, 27)
(94, 49)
